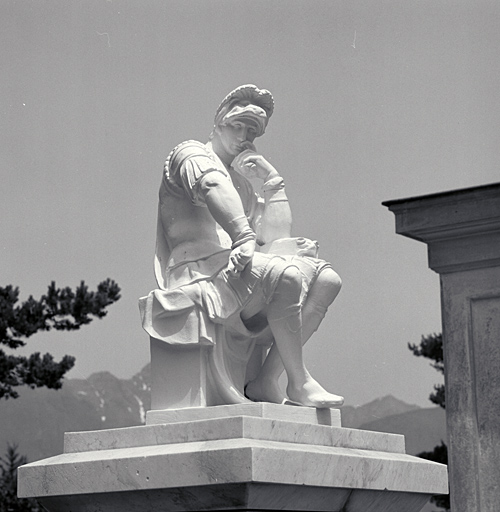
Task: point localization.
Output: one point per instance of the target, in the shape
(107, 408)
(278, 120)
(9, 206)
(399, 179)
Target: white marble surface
(309, 415)
(233, 462)
(202, 324)
(229, 461)
(246, 497)
(233, 428)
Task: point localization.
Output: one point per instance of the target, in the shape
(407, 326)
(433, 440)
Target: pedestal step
(250, 428)
(308, 415)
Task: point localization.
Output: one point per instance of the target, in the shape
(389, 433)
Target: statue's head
(247, 104)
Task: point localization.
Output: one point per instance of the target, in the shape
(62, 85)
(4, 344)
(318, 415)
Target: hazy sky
(375, 100)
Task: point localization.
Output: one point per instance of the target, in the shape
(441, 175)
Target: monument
(230, 276)
(237, 298)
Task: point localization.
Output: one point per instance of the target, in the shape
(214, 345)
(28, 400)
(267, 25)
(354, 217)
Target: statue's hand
(306, 247)
(251, 164)
(240, 257)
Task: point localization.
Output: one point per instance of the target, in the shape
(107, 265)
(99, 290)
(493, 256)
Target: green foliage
(9, 502)
(431, 347)
(61, 309)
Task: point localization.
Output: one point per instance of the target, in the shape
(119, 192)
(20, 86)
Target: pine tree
(9, 502)
(61, 309)
(431, 347)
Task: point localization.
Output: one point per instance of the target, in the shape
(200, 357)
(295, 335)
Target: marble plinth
(247, 461)
(307, 415)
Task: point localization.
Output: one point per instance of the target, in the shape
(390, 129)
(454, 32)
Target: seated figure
(229, 274)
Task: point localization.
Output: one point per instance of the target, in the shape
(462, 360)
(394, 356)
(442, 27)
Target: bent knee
(289, 286)
(330, 282)
(332, 278)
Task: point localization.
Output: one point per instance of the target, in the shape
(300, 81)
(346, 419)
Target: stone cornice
(460, 227)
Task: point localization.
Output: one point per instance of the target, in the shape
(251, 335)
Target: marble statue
(229, 273)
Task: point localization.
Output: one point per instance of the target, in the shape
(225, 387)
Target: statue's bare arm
(276, 218)
(226, 208)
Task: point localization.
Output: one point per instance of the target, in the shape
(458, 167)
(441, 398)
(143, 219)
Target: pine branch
(61, 309)
(33, 371)
(430, 347)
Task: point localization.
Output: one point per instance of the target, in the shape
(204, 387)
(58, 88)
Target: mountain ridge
(354, 417)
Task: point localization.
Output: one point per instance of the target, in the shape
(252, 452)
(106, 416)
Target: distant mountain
(423, 428)
(354, 417)
(37, 420)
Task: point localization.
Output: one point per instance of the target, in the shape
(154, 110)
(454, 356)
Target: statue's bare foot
(312, 394)
(262, 391)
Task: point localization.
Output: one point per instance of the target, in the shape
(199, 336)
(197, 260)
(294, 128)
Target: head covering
(246, 102)
(249, 114)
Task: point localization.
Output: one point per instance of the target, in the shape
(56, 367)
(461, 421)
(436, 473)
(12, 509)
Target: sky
(374, 100)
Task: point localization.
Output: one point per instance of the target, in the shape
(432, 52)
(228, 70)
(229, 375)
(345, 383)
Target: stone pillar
(462, 231)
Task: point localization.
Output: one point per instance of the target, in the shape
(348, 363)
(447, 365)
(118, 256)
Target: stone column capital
(461, 227)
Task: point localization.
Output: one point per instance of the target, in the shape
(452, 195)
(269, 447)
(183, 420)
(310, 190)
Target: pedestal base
(265, 457)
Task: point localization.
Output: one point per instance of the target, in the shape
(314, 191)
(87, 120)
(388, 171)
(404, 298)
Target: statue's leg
(284, 303)
(285, 320)
(323, 292)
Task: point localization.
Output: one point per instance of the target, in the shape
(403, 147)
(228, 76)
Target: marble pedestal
(236, 457)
